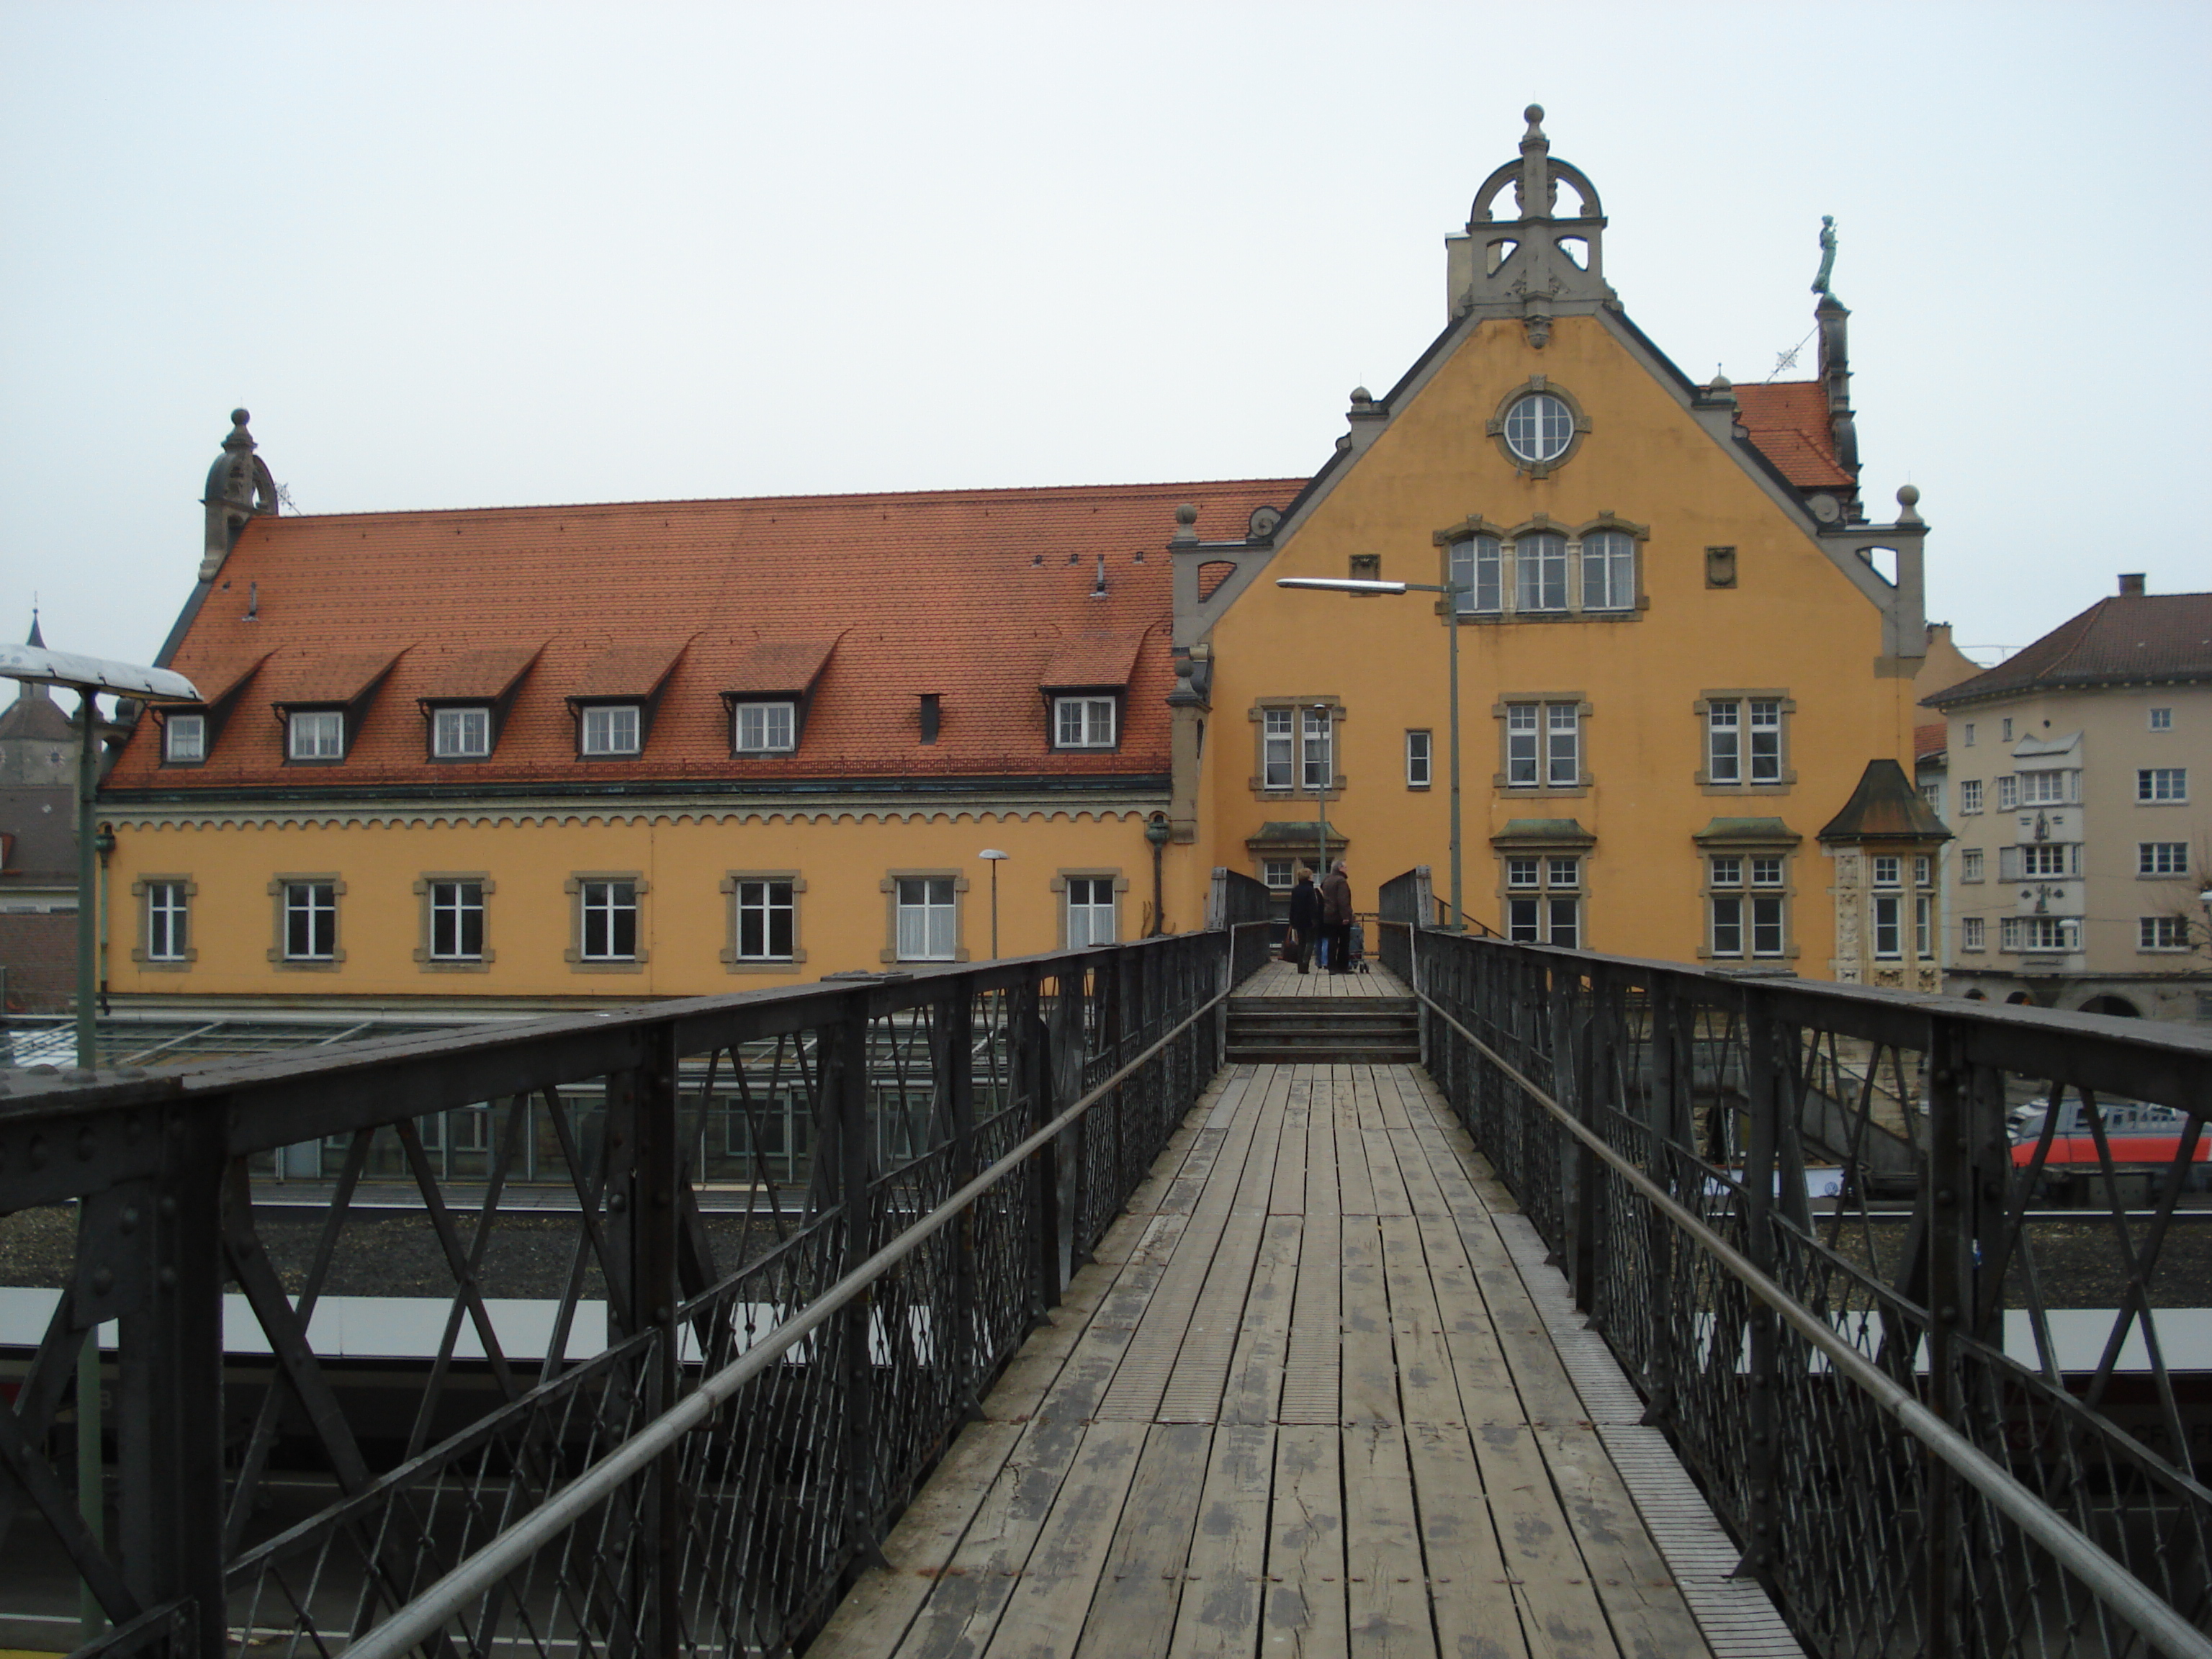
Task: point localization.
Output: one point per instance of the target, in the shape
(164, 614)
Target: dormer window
(315, 734)
(765, 728)
(1082, 722)
(183, 739)
(611, 729)
(462, 733)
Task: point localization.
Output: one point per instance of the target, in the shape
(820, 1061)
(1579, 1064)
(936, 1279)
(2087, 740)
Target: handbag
(1290, 940)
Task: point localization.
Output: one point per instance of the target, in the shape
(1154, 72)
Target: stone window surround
(138, 952)
(1585, 779)
(1543, 523)
(573, 887)
(277, 884)
(889, 886)
(732, 962)
(1495, 427)
(423, 960)
(1703, 708)
(1786, 892)
(1257, 714)
(1059, 888)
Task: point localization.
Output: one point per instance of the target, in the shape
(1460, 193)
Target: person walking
(1305, 920)
(1336, 918)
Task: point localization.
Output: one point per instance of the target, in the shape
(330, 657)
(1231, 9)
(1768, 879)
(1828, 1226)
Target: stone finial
(240, 486)
(1186, 522)
(1362, 398)
(1908, 500)
(1534, 138)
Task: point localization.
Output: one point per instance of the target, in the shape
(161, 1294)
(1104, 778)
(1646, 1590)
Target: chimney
(2131, 584)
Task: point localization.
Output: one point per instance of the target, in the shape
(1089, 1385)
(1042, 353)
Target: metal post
(1451, 629)
(1947, 1205)
(654, 1226)
(956, 1069)
(91, 1463)
(850, 1086)
(1761, 1063)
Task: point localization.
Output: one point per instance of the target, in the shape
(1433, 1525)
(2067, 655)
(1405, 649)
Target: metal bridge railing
(1915, 1418)
(782, 1364)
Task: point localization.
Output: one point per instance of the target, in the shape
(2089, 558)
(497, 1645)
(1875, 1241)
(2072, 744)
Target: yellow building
(1681, 645)
(540, 756)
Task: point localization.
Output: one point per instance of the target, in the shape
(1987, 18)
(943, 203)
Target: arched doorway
(1978, 996)
(2109, 1004)
(2020, 1000)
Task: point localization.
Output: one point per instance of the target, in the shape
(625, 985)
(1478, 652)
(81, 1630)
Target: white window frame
(1970, 796)
(313, 904)
(764, 728)
(1543, 746)
(2008, 792)
(1973, 934)
(2052, 788)
(2049, 860)
(1539, 573)
(1746, 907)
(603, 902)
(1083, 722)
(2162, 933)
(452, 902)
(1888, 931)
(758, 903)
(1420, 759)
(2161, 786)
(2013, 932)
(462, 732)
(1923, 926)
(1279, 875)
(2161, 858)
(1610, 556)
(175, 730)
(2161, 720)
(1539, 428)
(1091, 919)
(168, 922)
(1546, 573)
(610, 728)
(1277, 747)
(1543, 901)
(928, 918)
(1316, 750)
(1970, 864)
(315, 734)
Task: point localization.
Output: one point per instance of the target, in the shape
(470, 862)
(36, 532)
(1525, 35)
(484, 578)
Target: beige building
(2078, 780)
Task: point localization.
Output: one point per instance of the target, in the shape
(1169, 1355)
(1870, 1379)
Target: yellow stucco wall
(843, 914)
(1794, 622)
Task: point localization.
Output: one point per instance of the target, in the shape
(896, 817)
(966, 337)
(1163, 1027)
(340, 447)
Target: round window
(1539, 428)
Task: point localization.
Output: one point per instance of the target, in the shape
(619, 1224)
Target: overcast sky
(470, 255)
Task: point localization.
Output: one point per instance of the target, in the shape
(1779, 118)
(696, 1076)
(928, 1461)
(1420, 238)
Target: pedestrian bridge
(988, 1310)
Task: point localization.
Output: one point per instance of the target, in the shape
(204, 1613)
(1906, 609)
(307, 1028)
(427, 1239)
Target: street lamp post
(1451, 591)
(1159, 832)
(994, 858)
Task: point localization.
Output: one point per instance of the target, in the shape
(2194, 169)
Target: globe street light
(1451, 591)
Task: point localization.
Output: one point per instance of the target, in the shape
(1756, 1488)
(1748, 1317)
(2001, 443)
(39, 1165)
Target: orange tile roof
(304, 677)
(1929, 741)
(484, 675)
(971, 594)
(791, 665)
(1092, 660)
(1787, 421)
(630, 668)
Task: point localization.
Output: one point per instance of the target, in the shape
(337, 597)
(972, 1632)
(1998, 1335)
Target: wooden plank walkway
(1303, 1402)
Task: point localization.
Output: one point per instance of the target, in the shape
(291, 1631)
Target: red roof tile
(630, 668)
(969, 594)
(791, 665)
(469, 675)
(1787, 420)
(1091, 659)
(305, 677)
(1929, 741)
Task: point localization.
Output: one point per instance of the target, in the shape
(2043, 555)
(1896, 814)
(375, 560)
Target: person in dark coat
(1336, 918)
(1305, 920)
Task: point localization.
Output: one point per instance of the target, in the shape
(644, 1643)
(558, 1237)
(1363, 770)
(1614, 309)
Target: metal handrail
(2119, 1588)
(420, 1618)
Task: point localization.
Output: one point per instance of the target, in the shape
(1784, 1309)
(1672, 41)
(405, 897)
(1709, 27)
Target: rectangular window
(1418, 746)
(456, 921)
(1766, 929)
(1724, 742)
(1477, 566)
(610, 921)
(183, 738)
(1082, 722)
(2049, 858)
(1969, 743)
(1766, 872)
(2040, 934)
(1543, 904)
(2045, 788)
(1728, 925)
(2005, 730)
(1970, 795)
(611, 729)
(316, 734)
(1562, 919)
(311, 921)
(1278, 873)
(768, 920)
(1543, 746)
(460, 733)
(2161, 858)
(1315, 760)
(1737, 925)
(2163, 933)
(1727, 870)
(1542, 563)
(1886, 869)
(2162, 783)
(768, 728)
(1089, 911)
(1932, 793)
(1888, 936)
(1923, 918)
(1562, 873)
(2161, 720)
(1521, 872)
(1276, 726)
(1971, 934)
(1765, 741)
(2008, 794)
(1970, 864)
(168, 931)
(1609, 570)
(928, 921)
(2009, 863)
(1923, 871)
